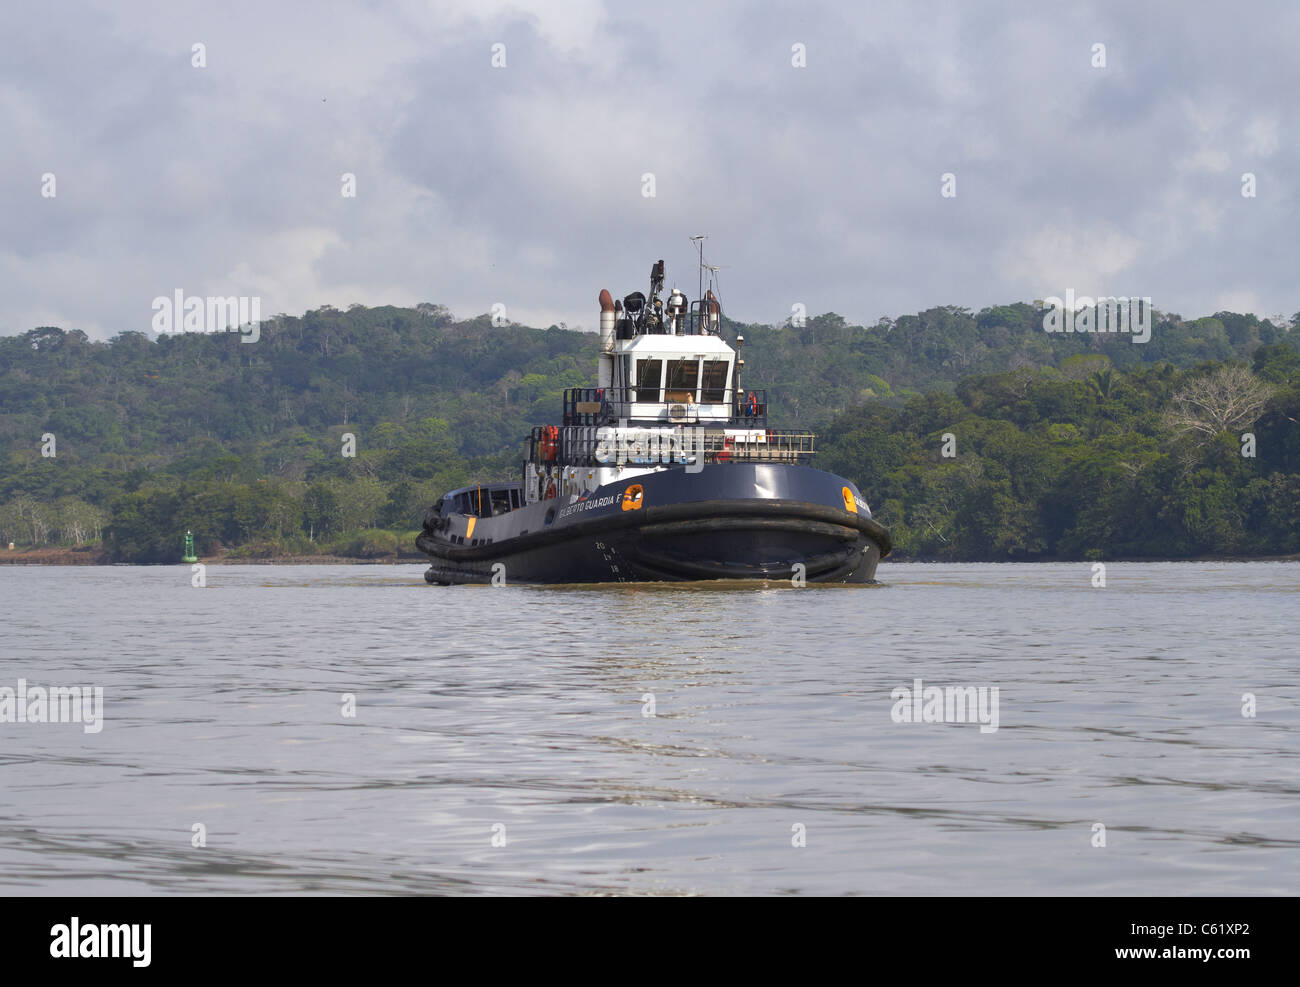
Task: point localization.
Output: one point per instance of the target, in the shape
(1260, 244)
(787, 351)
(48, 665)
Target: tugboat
(666, 470)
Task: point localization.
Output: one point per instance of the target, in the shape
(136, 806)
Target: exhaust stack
(606, 321)
(605, 367)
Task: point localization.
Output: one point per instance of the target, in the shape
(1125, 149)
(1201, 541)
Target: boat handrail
(581, 446)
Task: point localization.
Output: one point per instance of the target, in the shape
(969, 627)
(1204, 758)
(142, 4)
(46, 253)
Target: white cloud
(1091, 261)
(1208, 159)
(1244, 301)
(1261, 137)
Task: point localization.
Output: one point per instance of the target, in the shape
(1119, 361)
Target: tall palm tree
(1101, 383)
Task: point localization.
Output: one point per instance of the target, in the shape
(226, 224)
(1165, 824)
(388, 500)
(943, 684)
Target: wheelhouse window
(480, 502)
(649, 379)
(683, 379)
(713, 389)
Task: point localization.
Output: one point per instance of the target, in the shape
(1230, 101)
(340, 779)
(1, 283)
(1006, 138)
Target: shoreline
(90, 556)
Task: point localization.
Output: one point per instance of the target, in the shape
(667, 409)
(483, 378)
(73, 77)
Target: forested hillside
(1065, 446)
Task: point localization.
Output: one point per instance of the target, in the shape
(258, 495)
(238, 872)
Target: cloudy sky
(523, 184)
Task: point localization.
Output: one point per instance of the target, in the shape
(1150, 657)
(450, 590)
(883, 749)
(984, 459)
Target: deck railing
(581, 445)
(772, 446)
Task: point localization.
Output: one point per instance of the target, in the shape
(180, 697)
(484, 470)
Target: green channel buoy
(189, 549)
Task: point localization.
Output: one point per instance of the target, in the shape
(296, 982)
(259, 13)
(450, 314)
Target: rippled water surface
(520, 712)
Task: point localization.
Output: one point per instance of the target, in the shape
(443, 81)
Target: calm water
(479, 708)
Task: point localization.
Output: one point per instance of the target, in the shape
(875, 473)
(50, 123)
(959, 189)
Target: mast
(698, 240)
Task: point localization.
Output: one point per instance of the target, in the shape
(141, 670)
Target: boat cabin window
(500, 502)
(481, 502)
(713, 389)
(683, 378)
(649, 378)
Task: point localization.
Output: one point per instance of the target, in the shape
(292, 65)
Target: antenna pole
(699, 245)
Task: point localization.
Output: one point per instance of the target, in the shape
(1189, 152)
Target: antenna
(713, 270)
(698, 240)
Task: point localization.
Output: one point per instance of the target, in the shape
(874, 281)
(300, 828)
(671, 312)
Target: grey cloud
(522, 185)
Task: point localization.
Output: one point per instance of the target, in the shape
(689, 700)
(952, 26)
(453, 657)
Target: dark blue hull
(727, 521)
